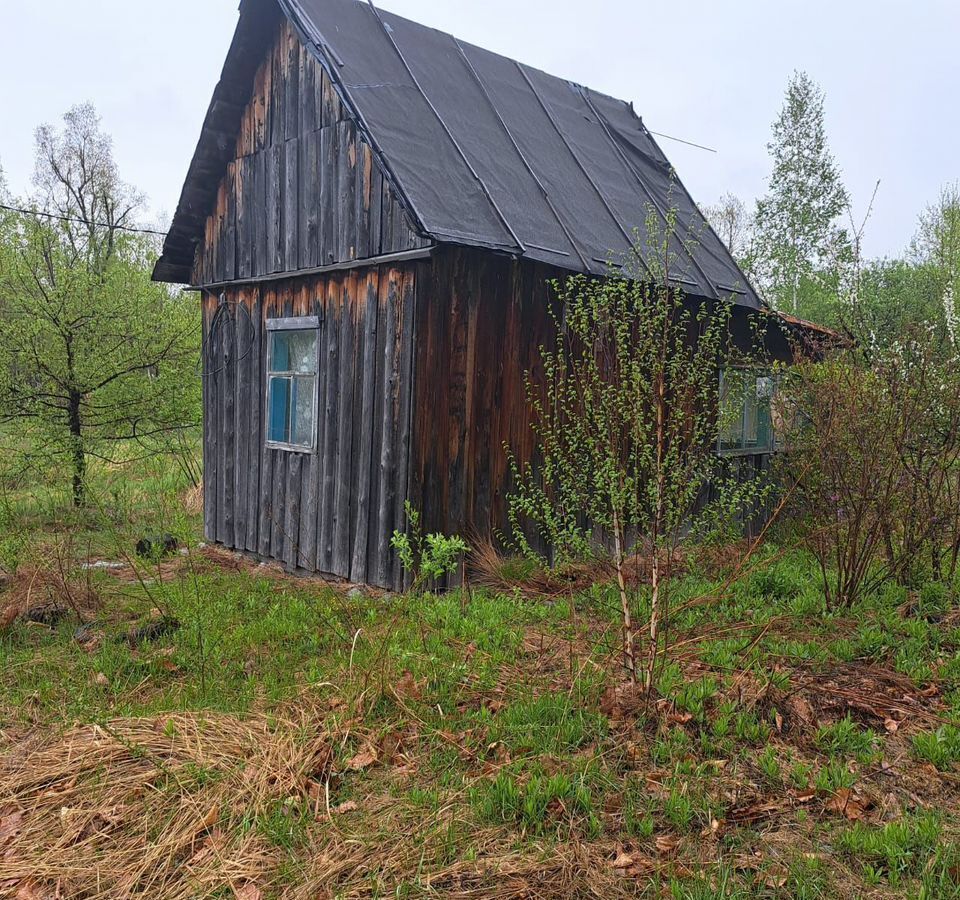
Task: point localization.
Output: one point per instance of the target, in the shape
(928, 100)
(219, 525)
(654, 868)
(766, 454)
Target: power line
(46, 215)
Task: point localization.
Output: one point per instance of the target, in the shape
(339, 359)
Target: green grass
(494, 704)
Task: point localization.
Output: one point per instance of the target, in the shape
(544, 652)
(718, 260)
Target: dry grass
(168, 808)
(192, 499)
(48, 588)
(160, 808)
(492, 569)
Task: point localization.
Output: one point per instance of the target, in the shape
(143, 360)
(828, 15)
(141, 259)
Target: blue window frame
(292, 365)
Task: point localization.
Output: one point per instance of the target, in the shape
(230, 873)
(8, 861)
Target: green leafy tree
(626, 425)
(799, 249)
(94, 357)
(937, 247)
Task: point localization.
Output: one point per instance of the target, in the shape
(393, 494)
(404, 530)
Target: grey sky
(710, 72)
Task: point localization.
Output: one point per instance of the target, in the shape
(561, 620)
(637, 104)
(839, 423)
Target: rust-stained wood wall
(481, 319)
(335, 510)
(304, 189)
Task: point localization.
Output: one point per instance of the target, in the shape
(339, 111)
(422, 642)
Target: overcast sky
(713, 73)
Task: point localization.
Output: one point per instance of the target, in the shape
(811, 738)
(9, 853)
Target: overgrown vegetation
(190, 723)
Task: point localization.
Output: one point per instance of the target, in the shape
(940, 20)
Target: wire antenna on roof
(670, 137)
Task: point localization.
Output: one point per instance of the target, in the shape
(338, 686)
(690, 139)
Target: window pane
(303, 424)
(294, 351)
(278, 423)
(766, 388)
(731, 410)
(751, 415)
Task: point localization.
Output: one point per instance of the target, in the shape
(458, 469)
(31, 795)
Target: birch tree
(796, 222)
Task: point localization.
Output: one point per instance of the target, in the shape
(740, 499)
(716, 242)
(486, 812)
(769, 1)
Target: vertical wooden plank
(210, 421)
(329, 103)
(254, 436)
(261, 264)
(329, 198)
(364, 172)
(230, 231)
(292, 200)
(326, 520)
(274, 209)
(278, 92)
(278, 496)
(309, 230)
(292, 84)
(245, 216)
(347, 191)
(347, 414)
(227, 437)
(265, 527)
(424, 290)
(386, 218)
(308, 93)
(376, 203)
(364, 463)
(264, 105)
(241, 421)
(292, 492)
(376, 424)
(406, 319)
(387, 494)
(310, 497)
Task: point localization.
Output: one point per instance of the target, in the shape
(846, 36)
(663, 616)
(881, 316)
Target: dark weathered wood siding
(481, 320)
(304, 189)
(334, 510)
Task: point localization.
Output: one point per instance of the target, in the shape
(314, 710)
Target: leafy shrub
(428, 558)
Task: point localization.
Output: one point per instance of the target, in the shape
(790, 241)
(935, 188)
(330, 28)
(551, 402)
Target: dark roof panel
(489, 153)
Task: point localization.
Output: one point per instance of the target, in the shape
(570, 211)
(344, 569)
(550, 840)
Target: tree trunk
(78, 453)
(654, 621)
(629, 656)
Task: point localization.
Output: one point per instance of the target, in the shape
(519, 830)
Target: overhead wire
(78, 221)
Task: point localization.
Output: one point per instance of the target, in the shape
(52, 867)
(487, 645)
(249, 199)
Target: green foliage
(541, 805)
(797, 243)
(870, 450)
(549, 723)
(846, 738)
(893, 851)
(94, 357)
(626, 427)
(428, 558)
(941, 747)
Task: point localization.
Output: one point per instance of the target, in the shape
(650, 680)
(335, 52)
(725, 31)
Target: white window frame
(299, 323)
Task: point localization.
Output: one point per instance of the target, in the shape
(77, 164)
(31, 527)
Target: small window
(746, 421)
(292, 385)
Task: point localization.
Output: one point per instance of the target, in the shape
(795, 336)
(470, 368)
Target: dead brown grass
(158, 808)
(192, 499)
(47, 588)
(491, 568)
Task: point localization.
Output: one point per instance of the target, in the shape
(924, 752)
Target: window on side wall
(292, 364)
(746, 411)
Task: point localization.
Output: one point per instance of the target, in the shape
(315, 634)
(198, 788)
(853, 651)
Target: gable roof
(482, 150)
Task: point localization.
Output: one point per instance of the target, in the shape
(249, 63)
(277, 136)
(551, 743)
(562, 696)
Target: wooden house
(372, 217)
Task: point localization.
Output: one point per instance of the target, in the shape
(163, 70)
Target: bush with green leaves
(427, 558)
(626, 427)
